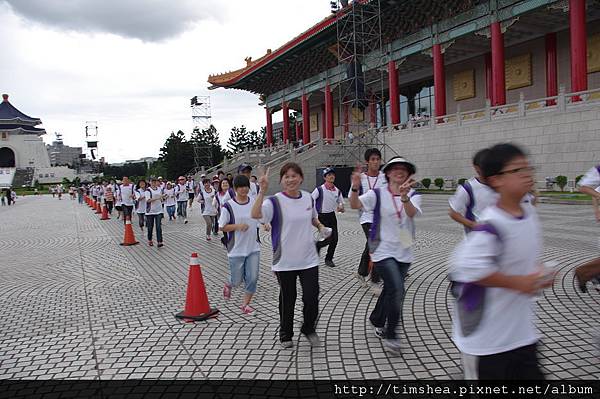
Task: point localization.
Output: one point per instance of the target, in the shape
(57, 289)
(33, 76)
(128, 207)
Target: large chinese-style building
(459, 75)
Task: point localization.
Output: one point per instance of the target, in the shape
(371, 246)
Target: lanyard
(398, 211)
(369, 181)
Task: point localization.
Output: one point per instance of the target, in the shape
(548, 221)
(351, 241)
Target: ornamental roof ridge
(10, 114)
(228, 78)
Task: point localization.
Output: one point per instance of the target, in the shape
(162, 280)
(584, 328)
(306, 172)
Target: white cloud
(139, 91)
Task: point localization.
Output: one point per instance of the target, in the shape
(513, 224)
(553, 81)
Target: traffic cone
(104, 213)
(129, 236)
(98, 208)
(196, 301)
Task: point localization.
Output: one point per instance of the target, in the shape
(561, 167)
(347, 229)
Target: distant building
(61, 154)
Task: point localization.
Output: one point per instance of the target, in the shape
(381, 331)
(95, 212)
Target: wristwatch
(404, 200)
(354, 190)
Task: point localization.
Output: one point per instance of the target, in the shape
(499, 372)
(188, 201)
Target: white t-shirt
(330, 201)
(483, 194)
(292, 231)
(181, 193)
(395, 227)
(507, 321)
(221, 199)
(155, 207)
(240, 243)
(190, 185)
(591, 178)
(126, 193)
(368, 183)
(140, 196)
(170, 193)
(209, 208)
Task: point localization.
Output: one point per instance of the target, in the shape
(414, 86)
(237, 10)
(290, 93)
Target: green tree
(177, 155)
(242, 139)
(462, 181)
(439, 182)
(208, 139)
(561, 181)
(577, 179)
(426, 182)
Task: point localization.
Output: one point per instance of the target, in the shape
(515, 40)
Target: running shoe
(313, 339)
(208, 238)
(151, 243)
(329, 263)
(392, 346)
(379, 332)
(247, 309)
(227, 291)
(160, 244)
(185, 221)
(376, 289)
(361, 279)
(287, 344)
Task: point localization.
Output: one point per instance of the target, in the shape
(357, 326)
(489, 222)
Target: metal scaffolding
(201, 120)
(362, 93)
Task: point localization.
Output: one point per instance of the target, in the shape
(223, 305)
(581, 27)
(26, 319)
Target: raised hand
(355, 178)
(406, 186)
(263, 180)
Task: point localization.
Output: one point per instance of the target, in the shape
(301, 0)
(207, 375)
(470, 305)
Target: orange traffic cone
(104, 213)
(98, 208)
(129, 236)
(196, 301)
(93, 204)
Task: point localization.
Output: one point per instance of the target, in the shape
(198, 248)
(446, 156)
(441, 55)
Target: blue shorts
(245, 268)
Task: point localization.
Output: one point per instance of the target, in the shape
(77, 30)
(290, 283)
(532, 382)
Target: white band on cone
(194, 261)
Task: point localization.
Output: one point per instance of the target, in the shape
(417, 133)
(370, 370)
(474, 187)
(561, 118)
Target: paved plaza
(74, 304)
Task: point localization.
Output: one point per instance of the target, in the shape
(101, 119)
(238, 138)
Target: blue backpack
(469, 213)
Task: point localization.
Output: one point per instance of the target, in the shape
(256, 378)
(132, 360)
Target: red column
(346, 119)
(286, 123)
(489, 84)
(551, 68)
(305, 120)
(393, 89)
(499, 90)
(328, 114)
(269, 128)
(439, 80)
(578, 45)
(372, 111)
(298, 131)
(323, 122)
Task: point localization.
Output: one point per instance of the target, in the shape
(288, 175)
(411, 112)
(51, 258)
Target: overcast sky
(133, 65)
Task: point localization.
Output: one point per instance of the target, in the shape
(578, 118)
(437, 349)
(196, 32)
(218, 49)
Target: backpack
(469, 212)
(470, 297)
(375, 232)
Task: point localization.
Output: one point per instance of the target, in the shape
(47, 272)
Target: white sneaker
(392, 346)
(287, 344)
(376, 289)
(361, 279)
(379, 333)
(313, 339)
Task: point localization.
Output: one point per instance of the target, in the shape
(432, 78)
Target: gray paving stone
(69, 261)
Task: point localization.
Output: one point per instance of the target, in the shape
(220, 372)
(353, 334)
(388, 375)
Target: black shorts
(191, 196)
(118, 208)
(517, 364)
(127, 210)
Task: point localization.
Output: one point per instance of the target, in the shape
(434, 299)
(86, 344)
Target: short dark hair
(204, 181)
(370, 152)
(498, 157)
(241, 181)
(290, 166)
(479, 155)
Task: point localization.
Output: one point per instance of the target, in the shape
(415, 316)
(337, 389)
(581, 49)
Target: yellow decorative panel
(336, 116)
(314, 122)
(464, 85)
(517, 72)
(593, 53)
(358, 115)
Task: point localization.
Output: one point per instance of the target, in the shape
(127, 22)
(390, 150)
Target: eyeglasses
(523, 170)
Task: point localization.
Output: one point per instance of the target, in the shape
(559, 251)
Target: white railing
(560, 103)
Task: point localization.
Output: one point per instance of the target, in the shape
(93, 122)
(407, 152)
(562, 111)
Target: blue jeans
(171, 211)
(182, 209)
(151, 221)
(245, 268)
(389, 304)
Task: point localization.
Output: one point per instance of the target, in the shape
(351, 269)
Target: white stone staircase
(6, 177)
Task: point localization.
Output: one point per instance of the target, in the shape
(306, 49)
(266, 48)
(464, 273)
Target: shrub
(577, 179)
(439, 182)
(561, 181)
(426, 182)
(462, 181)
